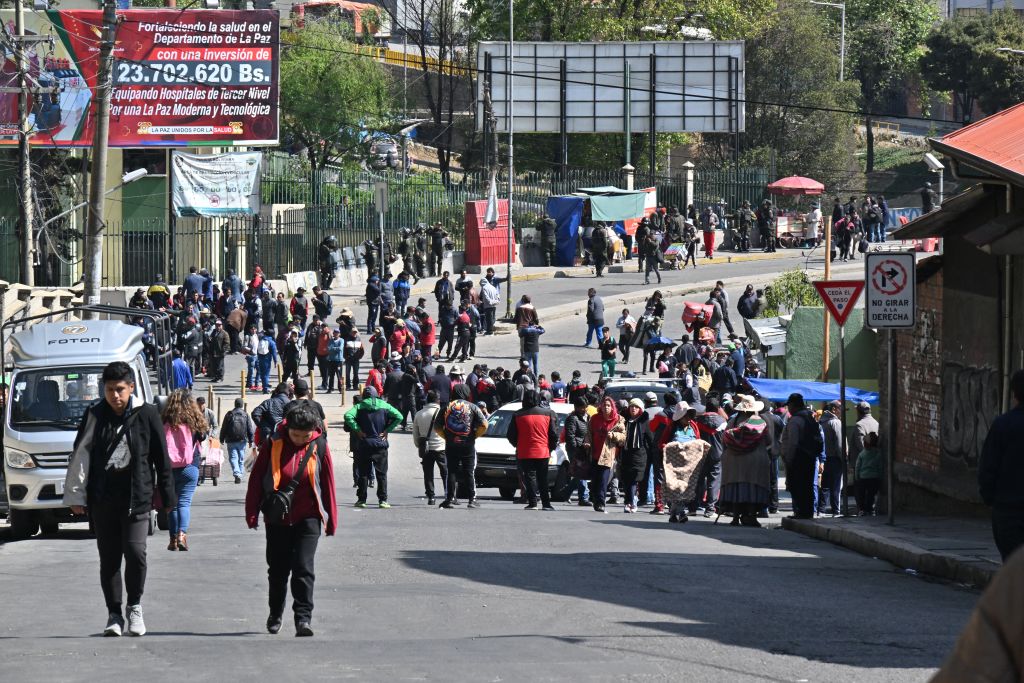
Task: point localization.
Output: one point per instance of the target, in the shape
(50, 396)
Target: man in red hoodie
(291, 545)
(534, 433)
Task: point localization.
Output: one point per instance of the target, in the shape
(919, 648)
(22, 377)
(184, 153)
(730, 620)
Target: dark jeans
(652, 267)
(461, 465)
(324, 368)
(351, 374)
(290, 551)
(655, 467)
(624, 339)
(801, 473)
(599, 479)
(831, 486)
(435, 261)
(333, 372)
(215, 368)
(488, 316)
(461, 348)
(291, 370)
(709, 484)
(120, 536)
(375, 459)
(535, 480)
(1008, 530)
(445, 339)
(867, 490)
(428, 459)
(310, 359)
(371, 317)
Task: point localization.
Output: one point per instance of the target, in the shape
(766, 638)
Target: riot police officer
(420, 250)
(407, 250)
(546, 229)
(745, 221)
(370, 256)
(327, 258)
(438, 237)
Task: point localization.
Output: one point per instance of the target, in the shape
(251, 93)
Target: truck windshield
(55, 398)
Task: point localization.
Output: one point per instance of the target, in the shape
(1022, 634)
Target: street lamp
(842, 31)
(935, 166)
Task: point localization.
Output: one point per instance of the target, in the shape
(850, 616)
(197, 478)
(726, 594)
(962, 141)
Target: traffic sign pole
(840, 297)
(891, 305)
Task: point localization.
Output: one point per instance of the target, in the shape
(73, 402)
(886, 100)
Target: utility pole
(98, 177)
(28, 250)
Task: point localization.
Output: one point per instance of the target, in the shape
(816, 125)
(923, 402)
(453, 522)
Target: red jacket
(399, 338)
(428, 332)
(533, 430)
(376, 380)
(277, 463)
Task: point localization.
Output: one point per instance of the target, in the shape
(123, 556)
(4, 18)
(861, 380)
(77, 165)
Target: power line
(622, 86)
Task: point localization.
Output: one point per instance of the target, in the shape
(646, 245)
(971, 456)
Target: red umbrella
(796, 185)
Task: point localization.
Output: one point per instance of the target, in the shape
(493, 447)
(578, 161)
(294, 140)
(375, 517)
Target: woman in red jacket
(291, 545)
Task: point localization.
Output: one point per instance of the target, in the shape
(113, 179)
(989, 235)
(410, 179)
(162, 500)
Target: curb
(966, 570)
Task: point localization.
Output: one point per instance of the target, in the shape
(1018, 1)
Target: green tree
(962, 58)
(788, 291)
(885, 44)
(329, 93)
(789, 62)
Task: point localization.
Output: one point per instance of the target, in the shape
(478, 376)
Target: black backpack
(235, 427)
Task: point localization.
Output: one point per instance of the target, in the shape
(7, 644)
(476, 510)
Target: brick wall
(918, 369)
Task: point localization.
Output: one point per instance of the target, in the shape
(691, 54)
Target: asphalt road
(499, 593)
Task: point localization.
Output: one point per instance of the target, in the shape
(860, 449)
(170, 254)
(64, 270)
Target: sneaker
(430, 501)
(446, 505)
(627, 509)
(473, 504)
(115, 624)
(658, 511)
(709, 513)
(548, 508)
(383, 505)
(136, 626)
(303, 630)
(613, 501)
(360, 503)
(531, 506)
(273, 624)
(600, 510)
(238, 479)
(583, 503)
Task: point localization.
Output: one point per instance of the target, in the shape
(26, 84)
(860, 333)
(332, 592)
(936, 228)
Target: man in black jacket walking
(119, 452)
(1001, 472)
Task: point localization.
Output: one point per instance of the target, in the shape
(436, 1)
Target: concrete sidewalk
(951, 548)
(352, 295)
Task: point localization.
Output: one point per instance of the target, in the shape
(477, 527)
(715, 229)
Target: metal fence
(285, 239)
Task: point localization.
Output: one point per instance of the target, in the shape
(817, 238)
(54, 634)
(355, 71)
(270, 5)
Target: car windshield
(49, 399)
(497, 423)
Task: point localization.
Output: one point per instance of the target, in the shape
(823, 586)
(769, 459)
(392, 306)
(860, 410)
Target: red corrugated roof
(997, 141)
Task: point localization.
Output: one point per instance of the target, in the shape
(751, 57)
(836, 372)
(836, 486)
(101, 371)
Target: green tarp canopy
(610, 204)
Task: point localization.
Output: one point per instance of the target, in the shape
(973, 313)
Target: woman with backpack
(184, 428)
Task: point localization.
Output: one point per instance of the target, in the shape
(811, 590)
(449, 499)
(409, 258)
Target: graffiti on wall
(970, 402)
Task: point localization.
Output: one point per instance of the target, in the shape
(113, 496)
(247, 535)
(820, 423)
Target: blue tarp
(568, 214)
(780, 389)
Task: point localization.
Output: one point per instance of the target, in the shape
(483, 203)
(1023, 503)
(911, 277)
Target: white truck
(55, 370)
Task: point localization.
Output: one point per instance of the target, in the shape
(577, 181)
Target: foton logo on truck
(74, 329)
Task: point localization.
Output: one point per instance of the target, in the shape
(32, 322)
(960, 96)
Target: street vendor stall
(792, 231)
(620, 209)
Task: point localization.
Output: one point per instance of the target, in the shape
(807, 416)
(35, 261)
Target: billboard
(180, 78)
(215, 184)
(687, 86)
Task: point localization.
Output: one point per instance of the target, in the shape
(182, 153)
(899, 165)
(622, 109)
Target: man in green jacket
(371, 420)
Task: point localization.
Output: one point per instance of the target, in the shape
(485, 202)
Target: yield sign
(839, 297)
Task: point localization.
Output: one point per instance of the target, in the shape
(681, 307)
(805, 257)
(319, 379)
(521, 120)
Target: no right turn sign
(891, 291)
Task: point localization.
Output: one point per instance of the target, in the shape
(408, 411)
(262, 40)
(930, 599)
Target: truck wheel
(23, 524)
(507, 492)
